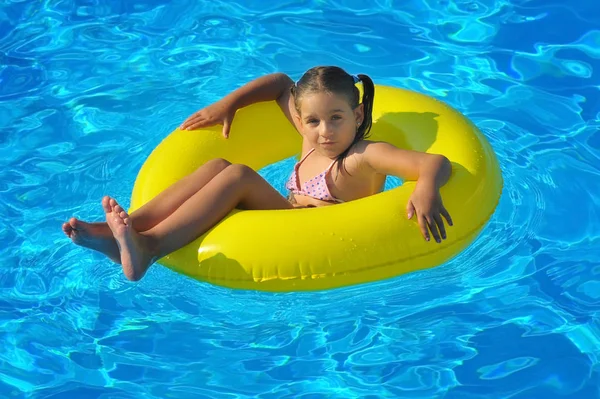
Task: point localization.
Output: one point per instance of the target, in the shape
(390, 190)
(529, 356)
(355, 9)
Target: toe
(67, 229)
(73, 223)
(106, 204)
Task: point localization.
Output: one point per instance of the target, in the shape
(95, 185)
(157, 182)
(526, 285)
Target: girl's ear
(359, 114)
(298, 120)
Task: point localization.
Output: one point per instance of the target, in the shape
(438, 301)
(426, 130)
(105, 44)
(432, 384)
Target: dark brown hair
(335, 80)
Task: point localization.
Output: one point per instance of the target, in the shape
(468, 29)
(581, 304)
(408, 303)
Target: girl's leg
(99, 237)
(175, 195)
(236, 186)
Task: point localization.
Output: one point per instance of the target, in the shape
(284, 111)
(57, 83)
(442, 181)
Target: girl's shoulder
(367, 153)
(360, 153)
(370, 147)
(367, 147)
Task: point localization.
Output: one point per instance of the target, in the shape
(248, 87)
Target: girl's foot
(96, 236)
(134, 248)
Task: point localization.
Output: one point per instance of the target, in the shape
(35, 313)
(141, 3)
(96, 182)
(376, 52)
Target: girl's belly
(304, 201)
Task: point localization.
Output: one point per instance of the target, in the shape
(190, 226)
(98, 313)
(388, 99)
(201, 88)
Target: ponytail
(368, 96)
(365, 127)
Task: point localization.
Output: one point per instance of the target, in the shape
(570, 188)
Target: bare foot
(96, 236)
(135, 253)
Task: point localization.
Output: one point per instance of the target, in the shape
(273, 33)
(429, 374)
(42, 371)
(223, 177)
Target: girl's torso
(317, 180)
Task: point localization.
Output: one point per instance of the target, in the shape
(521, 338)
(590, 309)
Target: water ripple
(88, 89)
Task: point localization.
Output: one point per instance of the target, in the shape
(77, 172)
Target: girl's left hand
(426, 203)
(221, 112)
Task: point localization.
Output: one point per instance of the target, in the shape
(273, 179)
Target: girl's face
(328, 122)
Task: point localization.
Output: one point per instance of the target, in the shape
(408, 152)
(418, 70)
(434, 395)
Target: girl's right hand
(219, 113)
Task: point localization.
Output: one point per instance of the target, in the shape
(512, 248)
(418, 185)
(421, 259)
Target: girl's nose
(326, 130)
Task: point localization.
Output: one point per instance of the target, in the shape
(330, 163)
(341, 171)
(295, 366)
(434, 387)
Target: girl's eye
(336, 117)
(312, 121)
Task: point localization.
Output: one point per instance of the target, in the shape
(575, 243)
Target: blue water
(89, 87)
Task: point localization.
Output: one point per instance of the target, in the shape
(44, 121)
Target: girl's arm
(266, 88)
(431, 171)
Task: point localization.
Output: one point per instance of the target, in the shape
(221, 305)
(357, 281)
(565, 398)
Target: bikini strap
(306, 155)
(330, 165)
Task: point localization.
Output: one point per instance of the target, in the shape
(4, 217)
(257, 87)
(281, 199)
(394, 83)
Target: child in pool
(337, 165)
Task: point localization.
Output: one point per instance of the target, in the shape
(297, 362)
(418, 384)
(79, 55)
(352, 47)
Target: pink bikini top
(315, 187)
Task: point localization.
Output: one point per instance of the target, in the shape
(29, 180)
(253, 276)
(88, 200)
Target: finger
(191, 121)
(226, 127)
(423, 226)
(410, 210)
(440, 225)
(446, 215)
(434, 231)
(198, 125)
(196, 114)
(185, 124)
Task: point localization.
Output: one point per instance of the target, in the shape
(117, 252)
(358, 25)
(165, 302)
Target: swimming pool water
(89, 87)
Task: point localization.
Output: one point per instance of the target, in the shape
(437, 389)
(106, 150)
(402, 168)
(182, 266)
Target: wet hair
(332, 79)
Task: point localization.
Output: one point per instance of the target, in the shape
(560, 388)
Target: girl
(337, 165)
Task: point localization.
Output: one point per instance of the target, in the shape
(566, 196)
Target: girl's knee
(219, 163)
(240, 170)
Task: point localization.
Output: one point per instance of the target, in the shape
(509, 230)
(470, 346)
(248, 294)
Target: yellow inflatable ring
(322, 248)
